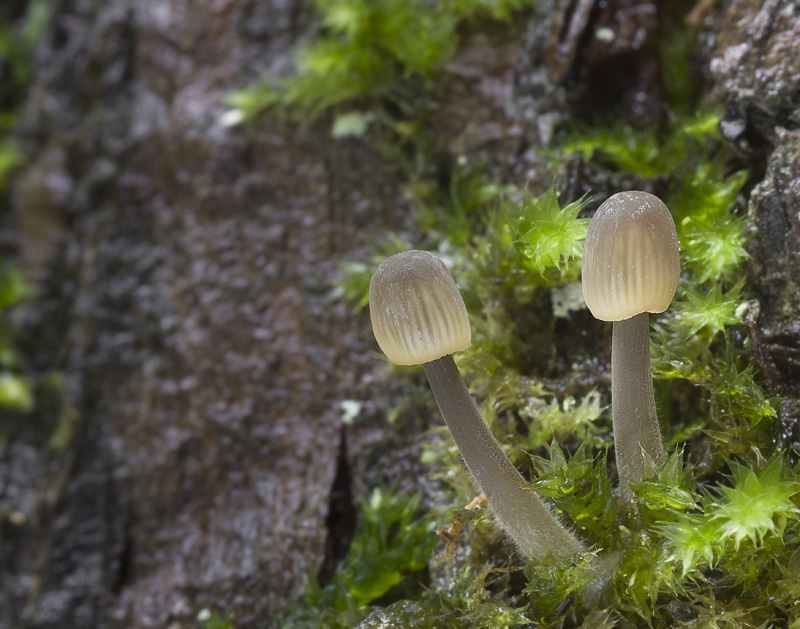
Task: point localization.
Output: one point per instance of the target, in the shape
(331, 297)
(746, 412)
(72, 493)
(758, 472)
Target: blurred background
(194, 416)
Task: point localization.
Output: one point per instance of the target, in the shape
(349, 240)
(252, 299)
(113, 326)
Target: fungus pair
(631, 268)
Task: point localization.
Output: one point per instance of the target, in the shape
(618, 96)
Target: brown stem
(633, 406)
(520, 511)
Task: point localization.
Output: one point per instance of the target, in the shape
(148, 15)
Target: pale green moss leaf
(750, 509)
(10, 157)
(392, 543)
(579, 486)
(711, 312)
(551, 584)
(549, 236)
(353, 124)
(716, 252)
(690, 541)
(15, 392)
(666, 492)
(568, 417)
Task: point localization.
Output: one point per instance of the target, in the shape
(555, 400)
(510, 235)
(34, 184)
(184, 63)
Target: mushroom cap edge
(417, 312)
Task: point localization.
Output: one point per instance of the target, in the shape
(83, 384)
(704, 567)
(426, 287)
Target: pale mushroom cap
(631, 261)
(417, 313)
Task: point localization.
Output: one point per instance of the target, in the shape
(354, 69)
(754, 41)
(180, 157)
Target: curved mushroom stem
(521, 512)
(633, 406)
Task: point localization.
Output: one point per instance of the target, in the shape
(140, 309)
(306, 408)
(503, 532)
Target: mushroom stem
(523, 515)
(633, 406)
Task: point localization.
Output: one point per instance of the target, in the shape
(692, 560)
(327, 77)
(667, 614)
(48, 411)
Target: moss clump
(209, 620)
(17, 40)
(551, 237)
(15, 390)
(392, 544)
(368, 50)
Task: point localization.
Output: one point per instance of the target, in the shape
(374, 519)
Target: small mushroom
(419, 317)
(631, 265)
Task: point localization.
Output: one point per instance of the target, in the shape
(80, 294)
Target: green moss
(208, 620)
(666, 492)
(551, 237)
(741, 529)
(470, 602)
(580, 488)
(705, 315)
(10, 158)
(391, 545)
(744, 530)
(712, 237)
(655, 151)
(554, 588)
(17, 42)
(392, 50)
(16, 391)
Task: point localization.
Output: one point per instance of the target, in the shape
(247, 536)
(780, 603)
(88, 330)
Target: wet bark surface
(756, 73)
(188, 271)
(773, 323)
(185, 288)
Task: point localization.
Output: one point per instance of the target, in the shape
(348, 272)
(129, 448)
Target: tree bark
(184, 286)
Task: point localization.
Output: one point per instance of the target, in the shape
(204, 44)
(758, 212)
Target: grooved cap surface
(417, 313)
(631, 260)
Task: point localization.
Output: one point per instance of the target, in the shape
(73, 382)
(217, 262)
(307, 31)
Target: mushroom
(631, 266)
(419, 317)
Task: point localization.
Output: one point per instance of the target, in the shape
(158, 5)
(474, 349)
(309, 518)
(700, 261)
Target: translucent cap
(631, 261)
(417, 313)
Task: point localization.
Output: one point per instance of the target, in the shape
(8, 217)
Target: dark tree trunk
(186, 296)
